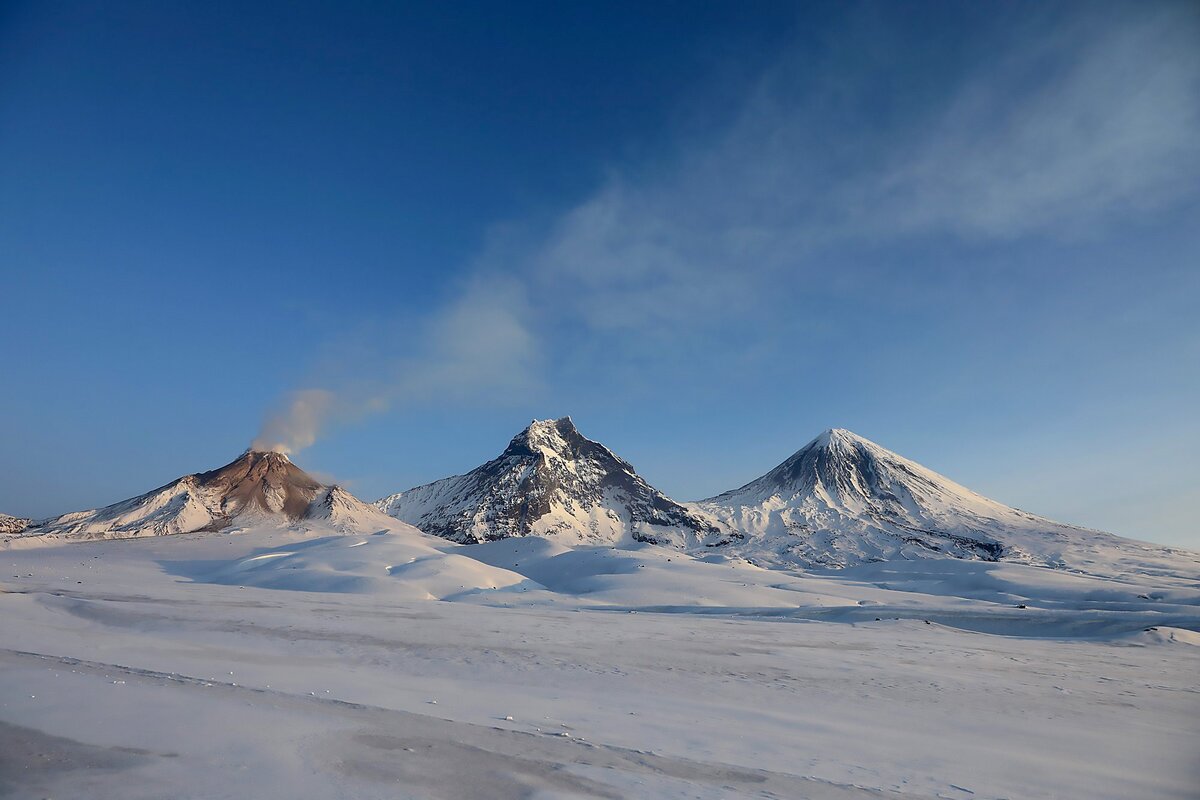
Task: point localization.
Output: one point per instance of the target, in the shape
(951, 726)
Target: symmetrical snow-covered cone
(843, 500)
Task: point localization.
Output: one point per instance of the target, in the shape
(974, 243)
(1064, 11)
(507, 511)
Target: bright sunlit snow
(310, 661)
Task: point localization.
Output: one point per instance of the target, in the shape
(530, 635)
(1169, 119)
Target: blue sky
(969, 232)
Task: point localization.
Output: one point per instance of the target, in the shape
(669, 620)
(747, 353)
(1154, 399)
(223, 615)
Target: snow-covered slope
(398, 564)
(257, 486)
(843, 500)
(164, 667)
(551, 481)
(340, 509)
(10, 524)
(839, 502)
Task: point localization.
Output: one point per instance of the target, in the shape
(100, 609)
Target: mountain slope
(10, 524)
(842, 500)
(551, 481)
(257, 486)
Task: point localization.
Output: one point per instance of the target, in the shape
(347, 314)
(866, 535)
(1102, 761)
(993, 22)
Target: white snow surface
(850, 625)
(839, 502)
(297, 659)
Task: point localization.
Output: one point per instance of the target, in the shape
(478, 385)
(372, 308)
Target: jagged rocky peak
(552, 481)
(551, 437)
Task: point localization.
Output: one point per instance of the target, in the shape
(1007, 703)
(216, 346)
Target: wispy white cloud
(1058, 131)
(1067, 130)
(1055, 128)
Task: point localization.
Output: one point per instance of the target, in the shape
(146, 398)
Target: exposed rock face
(11, 525)
(264, 482)
(257, 485)
(551, 481)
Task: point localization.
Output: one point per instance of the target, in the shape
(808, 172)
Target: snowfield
(301, 661)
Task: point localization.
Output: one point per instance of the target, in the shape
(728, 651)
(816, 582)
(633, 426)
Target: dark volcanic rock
(550, 481)
(261, 481)
(257, 485)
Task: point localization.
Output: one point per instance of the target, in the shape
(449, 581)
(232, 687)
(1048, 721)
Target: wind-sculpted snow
(551, 481)
(300, 661)
(398, 564)
(403, 564)
(842, 500)
(330, 650)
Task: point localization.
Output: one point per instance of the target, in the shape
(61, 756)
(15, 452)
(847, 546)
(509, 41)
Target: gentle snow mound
(396, 564)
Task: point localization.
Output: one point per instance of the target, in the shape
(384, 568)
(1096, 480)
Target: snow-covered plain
(301, 661)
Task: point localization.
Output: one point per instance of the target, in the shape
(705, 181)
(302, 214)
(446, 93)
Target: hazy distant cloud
(480, 341)
(1050, 132)
(1063, 132)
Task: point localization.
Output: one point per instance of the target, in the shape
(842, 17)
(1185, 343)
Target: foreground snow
(302, 663)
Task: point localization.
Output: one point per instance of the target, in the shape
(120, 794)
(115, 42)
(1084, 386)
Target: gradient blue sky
(969, 232)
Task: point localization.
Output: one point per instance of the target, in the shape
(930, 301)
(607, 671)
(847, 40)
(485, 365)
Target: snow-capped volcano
(843, 500)
(551, 481)
(257, 485)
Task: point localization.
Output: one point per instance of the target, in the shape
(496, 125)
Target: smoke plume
(478, 346)
(296, 423)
